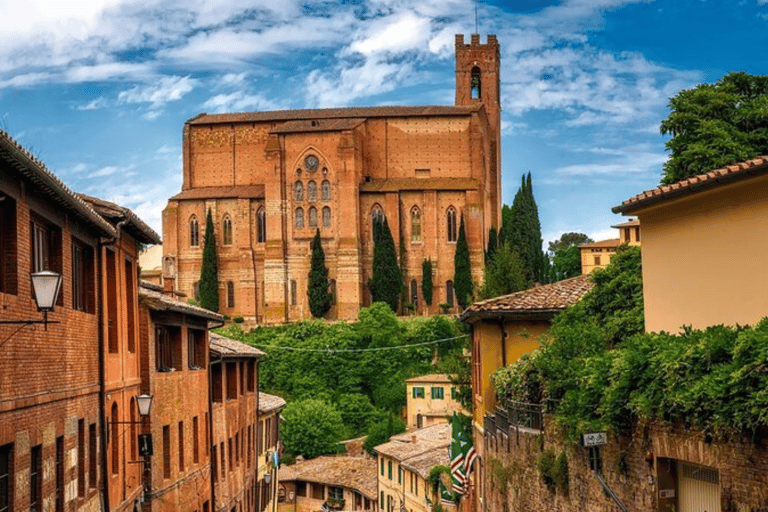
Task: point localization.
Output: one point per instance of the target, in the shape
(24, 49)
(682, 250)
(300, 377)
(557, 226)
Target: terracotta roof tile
(335, 113)
(240, 191)
(25, 163)
(269, 403)
(115, 213)
(423, 464)
(613, 242)
(548, 299)
(742, 170)
(402, 447)
(628, 224)
(227, 347)
(314, 125)
(433, 377)
(397, 184)
(355, 473)
(158, 301)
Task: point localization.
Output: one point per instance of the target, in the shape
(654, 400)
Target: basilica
(271, 179)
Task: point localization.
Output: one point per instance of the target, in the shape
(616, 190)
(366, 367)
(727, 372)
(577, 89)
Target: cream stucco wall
(432, 410)
(704, 258)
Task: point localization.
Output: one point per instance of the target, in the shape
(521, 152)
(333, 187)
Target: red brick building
(268, 443)
(234, 381)
(270, 179)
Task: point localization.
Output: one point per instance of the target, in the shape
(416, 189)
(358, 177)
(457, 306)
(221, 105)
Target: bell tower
(478, 80)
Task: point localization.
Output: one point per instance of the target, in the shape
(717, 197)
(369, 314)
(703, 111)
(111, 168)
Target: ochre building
(271, 179)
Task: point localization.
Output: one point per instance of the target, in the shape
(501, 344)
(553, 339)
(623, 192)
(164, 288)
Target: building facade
(271, 179)
(268, 442)
(596, 255)
(430, 399)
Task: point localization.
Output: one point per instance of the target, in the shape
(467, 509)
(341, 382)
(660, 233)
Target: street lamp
(46, 285)
(145, 404)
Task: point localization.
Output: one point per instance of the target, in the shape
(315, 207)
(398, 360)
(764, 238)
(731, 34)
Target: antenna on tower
(476, 30)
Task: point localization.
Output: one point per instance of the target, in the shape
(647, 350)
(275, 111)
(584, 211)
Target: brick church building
(270, 179)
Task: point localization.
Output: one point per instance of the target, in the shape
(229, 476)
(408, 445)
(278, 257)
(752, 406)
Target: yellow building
(404, 464)
(338, 483)
(704, 246)
(268, 434)
(503, 329)
(431, 399)
(599, 254)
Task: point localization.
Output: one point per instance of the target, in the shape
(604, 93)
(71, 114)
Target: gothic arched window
(415, 224)
(326, 217)
(261, 225)
(226, 230)
(449, 293)
(326, 190)
(230, 294)
(450, 218)
(312, 191)
(475, 86)
(377, 215)
(298, 191)
(299, 221)
(194, 232)
(312, 217)
(414, 293)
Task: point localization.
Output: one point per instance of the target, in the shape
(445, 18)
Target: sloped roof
(542, 301)
(728, 174)
(356, 473)
(115, 213)
(336, 113)
(158, 301)
(233, 192)
(269, 403)
(628, 224)
(27, 165)
(397, 184)
(402, 446)
(314, 125)
(613, 242)
(433, 377)
(228, 348)
(422, 464)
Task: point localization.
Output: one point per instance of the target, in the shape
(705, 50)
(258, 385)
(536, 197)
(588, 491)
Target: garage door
(699, 488)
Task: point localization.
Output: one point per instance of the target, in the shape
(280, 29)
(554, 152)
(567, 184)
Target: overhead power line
(329, 350)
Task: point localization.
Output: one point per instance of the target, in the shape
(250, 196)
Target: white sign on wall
(594, 439)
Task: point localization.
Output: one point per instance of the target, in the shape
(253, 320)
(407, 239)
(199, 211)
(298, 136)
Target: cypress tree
(462, 278)
(387, 281)
(525, 234)
(505, 231)
(209, 272)
(493, 243)
(426, 280)
(320, 297)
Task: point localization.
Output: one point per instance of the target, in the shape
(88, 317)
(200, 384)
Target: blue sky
(100, 90)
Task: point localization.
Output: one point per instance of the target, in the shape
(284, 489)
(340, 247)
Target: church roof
(336, 113)
(315, 125)
(233, 192)
(397, 184)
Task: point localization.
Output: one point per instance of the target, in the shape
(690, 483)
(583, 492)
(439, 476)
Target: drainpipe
(503, 343)
(102, 366)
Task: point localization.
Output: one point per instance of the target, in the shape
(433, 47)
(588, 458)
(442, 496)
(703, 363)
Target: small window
(437, 393)
(81, 458)
(326, 217)
(131, 304)
(335, 493)
(301, 489)
(317, 491)
(418, 392)
(261, 225)
(382, 465)
(299, 218)
(637, 233)
(449, 293)
(415, 224)
(36, 479)
(8, 250)
(166, 451)
(216, 381)
(312, 217)
(377, 215)
(115, 441)
(476, 83)
(595, 460)
(91, 456)
(450, 218)
(195, 349)
(195, 441)
(298, 191)
(168, 348)
(59, 496)
(6, 480)
(181, 446)
(231, 381)
(194, 232)
(293, 292)
(627, 238)
(226, 230)
(332, 289)
(83, 288)
(230, 294)
(326, 190)
(414, 292)
(312, 191)
(597, 260)
(46, 248)
(389, 469)
(196, 290)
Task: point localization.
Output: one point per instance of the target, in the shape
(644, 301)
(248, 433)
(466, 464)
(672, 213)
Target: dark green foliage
(507, 220)
(493, 243)
(320, 297)
(554, 470)
(566, 263)
(426, 280)
(568, 240)
(525, 233)
(504, 275)
(311, 428)
(387, 281)
(209, 271)
(462, 278)
(381, 430)
(357, 412)
(713, 125)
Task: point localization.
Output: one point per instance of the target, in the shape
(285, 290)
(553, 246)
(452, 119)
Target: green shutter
(389, 469)
(382, 466)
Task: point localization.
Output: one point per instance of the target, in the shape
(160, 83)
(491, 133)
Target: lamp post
(146, 450)
(46, 285)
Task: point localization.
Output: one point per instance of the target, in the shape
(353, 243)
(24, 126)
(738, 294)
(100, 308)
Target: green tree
(356, 412)
(462, 278)
(493, 244)
(507, 221)
(504, 275)
(387, 281)
(426, 280)
(525, 234)
(566, 255)
(209, 271)
(380, 431)
(568, 240)
(320, 297)
(713, 125)
(311, 428)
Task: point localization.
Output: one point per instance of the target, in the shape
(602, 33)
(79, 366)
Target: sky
(100, 89)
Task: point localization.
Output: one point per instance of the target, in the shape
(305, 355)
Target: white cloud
(98, 103)
(400, 32)
(237, 102)
(169, 88)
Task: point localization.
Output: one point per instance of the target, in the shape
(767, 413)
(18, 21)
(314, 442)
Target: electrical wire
(329, 350)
